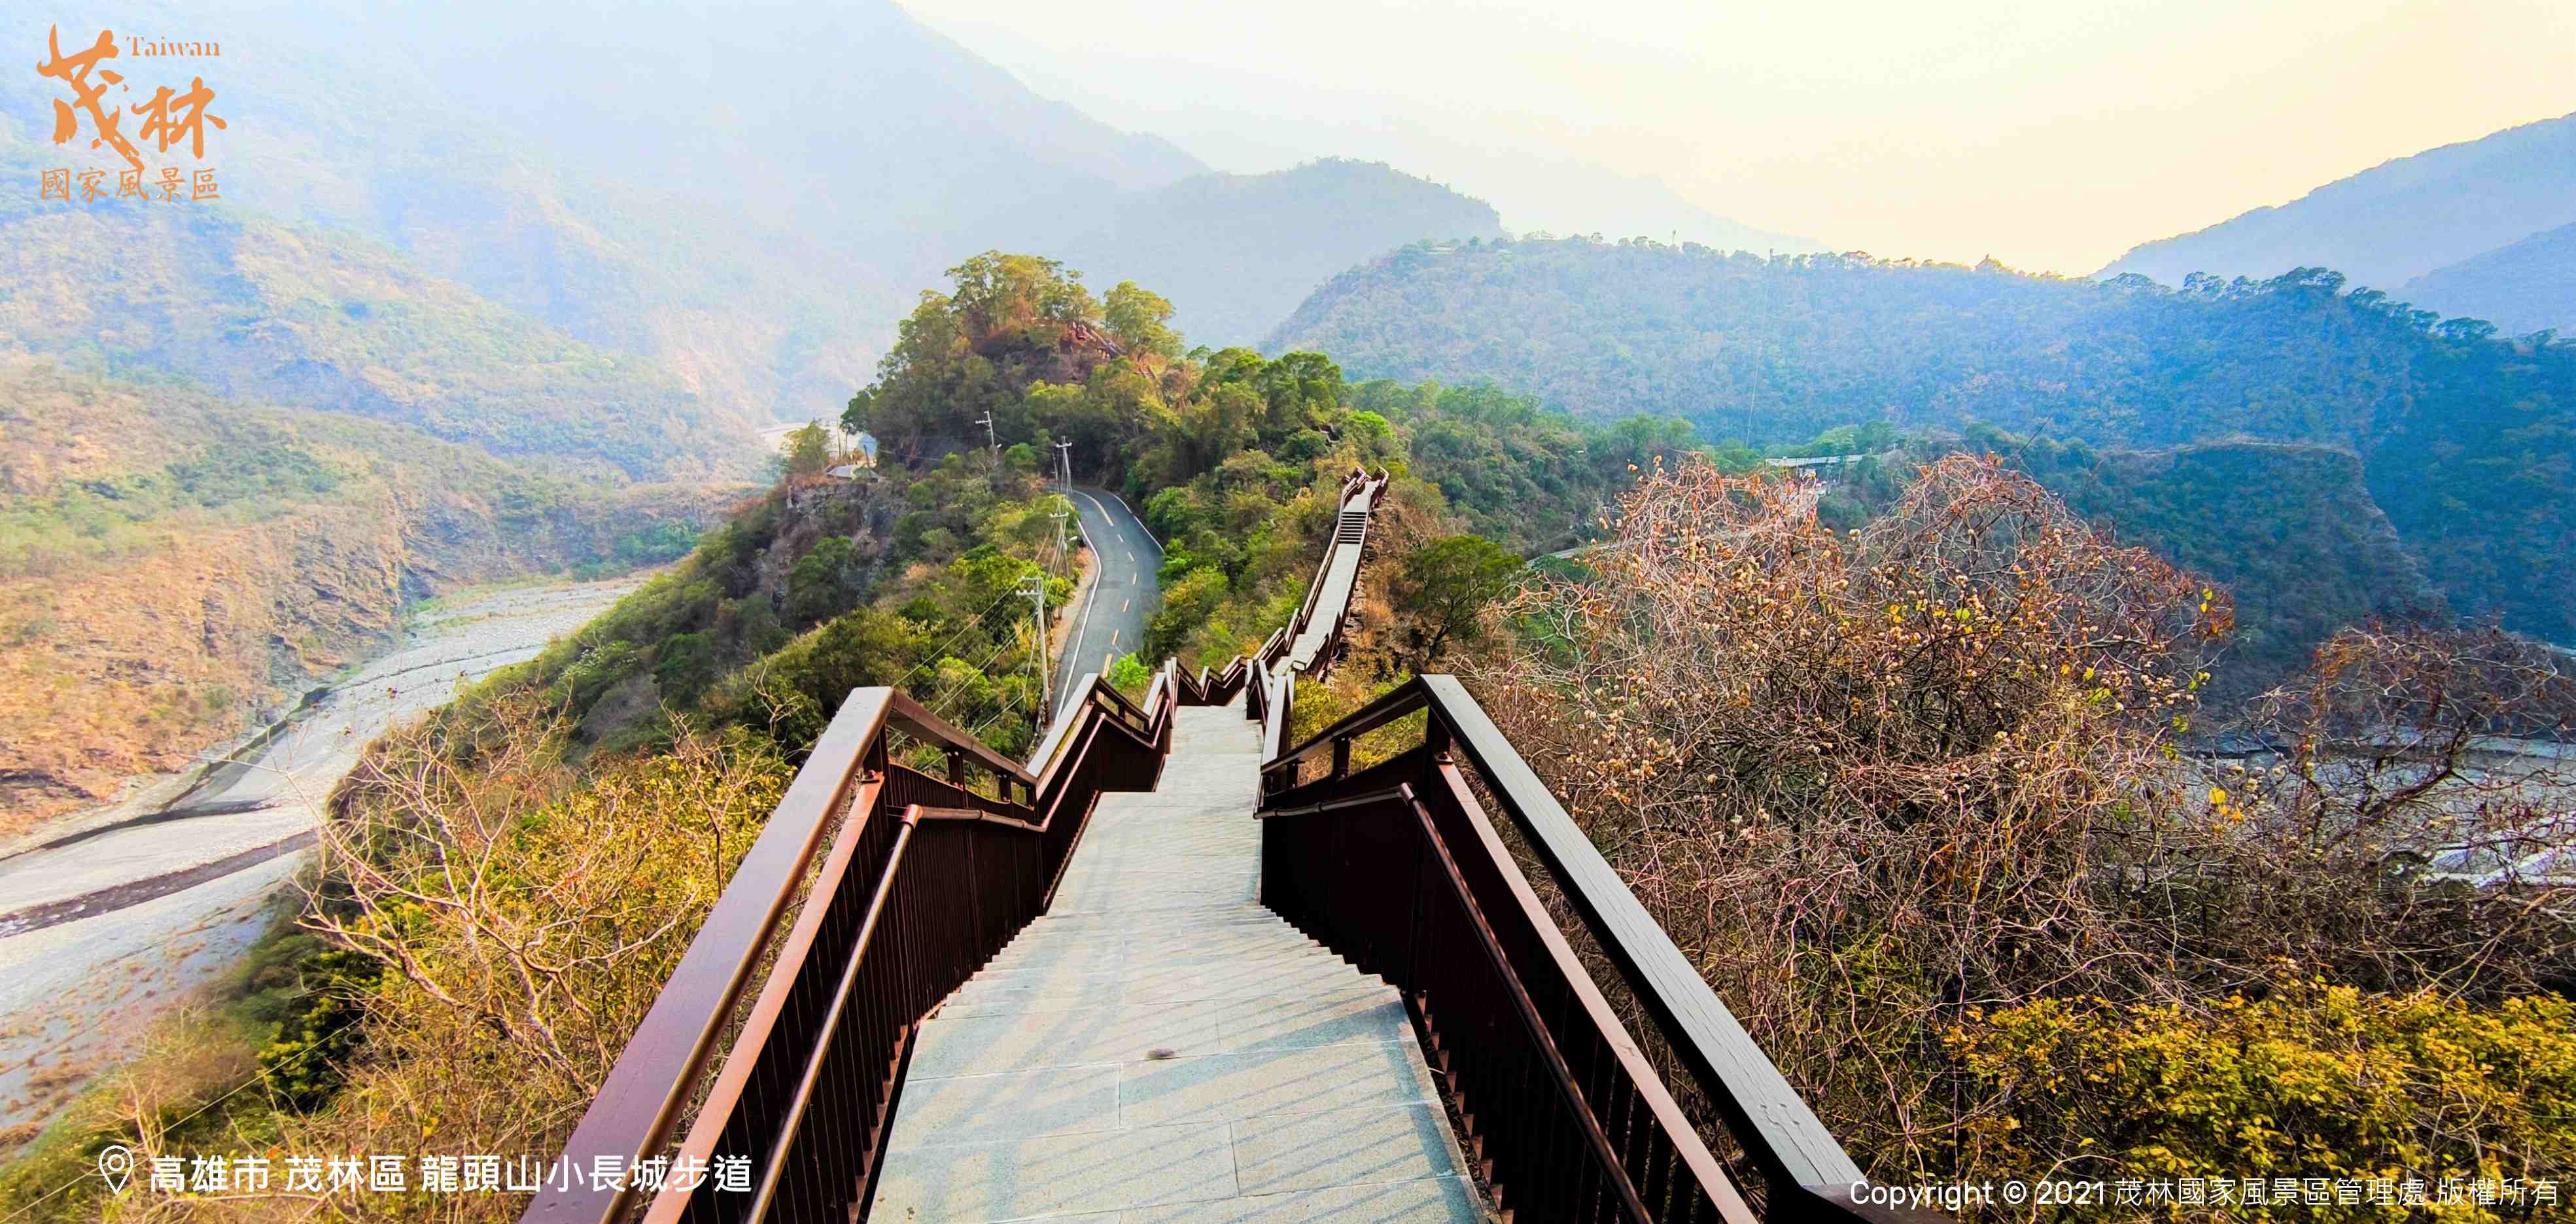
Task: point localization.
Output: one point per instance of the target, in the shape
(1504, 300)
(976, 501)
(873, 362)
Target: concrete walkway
(1159, 1047)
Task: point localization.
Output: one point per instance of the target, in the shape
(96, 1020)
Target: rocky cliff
(168, 580)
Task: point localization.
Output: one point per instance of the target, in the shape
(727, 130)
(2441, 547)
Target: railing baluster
(808, 1085)
(1550, 1089)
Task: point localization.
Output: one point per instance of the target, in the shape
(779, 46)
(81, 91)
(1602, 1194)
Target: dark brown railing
(1397, 867)
(1268, 675)
(922, 881)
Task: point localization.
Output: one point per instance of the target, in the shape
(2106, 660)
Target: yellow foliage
(2312, 1080)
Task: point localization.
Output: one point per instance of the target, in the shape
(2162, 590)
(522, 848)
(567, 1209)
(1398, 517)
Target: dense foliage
(908, 579)
(2468, 440)
(1915, 796)
(2288, 529)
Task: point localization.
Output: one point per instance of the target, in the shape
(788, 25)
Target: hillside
(2467, 440)
(1239, 251)
(2393, 222)
(172, 564)
(2289, 529)
(2522, 288)
(752, 251)
(255, 310)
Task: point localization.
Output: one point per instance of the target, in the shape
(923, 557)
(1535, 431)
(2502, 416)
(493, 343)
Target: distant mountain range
(2522, 288)
(2461, 230)
(736, 200)
(1237, 252)
(2464, 439)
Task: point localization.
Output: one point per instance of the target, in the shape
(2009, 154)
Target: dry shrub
(2411, 809)
(1884, 784)
(526, 916)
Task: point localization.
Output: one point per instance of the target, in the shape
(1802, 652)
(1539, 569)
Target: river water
(125, 912)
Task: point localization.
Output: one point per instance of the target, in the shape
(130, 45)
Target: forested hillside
(298, 317)
(173, 564)
(696, 692)
(2467, 439)
(2392, 222)
(2523, 288)
(2287, 529)
(908, 575)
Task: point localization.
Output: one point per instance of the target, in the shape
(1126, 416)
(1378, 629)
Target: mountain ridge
(2523, 287)
(2467, 438)
(2393, 222)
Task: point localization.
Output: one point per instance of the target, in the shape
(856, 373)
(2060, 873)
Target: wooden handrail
(638, 1107)
(1785, 1140)
(904, 712)
(640, 1102)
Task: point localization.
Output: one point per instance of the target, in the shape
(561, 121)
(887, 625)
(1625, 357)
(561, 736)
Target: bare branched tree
(1880, 782)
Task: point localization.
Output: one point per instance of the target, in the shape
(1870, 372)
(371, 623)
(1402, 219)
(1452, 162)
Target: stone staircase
(1159, 1047)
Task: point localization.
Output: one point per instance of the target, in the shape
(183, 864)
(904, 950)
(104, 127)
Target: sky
(2052, 136)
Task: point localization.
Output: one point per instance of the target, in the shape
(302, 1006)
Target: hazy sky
(2051, 135)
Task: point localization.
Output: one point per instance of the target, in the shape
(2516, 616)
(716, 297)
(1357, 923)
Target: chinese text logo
(168, 119)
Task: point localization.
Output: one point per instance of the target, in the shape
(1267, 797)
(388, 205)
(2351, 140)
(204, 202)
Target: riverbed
(122, 913)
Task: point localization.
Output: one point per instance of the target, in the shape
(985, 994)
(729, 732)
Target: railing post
(1342, 758)
(956, 768)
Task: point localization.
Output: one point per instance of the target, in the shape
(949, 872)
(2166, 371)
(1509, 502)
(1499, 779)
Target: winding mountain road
(1111, 622)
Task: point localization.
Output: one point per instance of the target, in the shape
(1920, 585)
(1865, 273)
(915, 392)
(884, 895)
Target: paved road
(1112, 622)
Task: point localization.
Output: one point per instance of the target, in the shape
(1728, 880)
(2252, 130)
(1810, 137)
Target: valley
(113, 913)
(2046, 716)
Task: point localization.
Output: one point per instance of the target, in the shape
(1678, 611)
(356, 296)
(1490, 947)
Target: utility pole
(990, 435)
(1058, 514)
(1064, 464)
(1046, 701)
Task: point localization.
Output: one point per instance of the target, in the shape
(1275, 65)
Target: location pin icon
(116, 1164)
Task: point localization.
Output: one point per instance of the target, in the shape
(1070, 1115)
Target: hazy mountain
(303, 318)
(742, 194)
(1239, 118)
(1570, 197)
(2394, 222)
(2522, 288)
(1237, 252)
(2466, 440)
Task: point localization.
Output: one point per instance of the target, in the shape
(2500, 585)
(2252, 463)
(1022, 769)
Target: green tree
(825, 581)
(1129, 675)
(806, 451)
(1140, 321)
(684, 667)
(1188, 603)
(1444, 589)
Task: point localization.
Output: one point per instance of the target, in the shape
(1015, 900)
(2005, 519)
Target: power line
(940, 704)
(935, 656)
